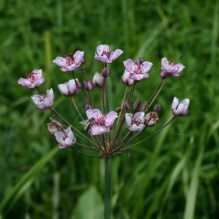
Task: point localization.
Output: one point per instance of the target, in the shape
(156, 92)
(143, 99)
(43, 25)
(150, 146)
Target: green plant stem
(156, 93)
(108, 188)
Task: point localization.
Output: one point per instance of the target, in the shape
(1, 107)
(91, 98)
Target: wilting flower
(151, 118)
(88, 85)
(170, 69)
(180, 108)
(33, 80)
(44, 101)
(98, 123)
(135, 122)
(54, 126)
(106, 55)
(98, 80)
(71, 62)
(70, 87)
(135, 70)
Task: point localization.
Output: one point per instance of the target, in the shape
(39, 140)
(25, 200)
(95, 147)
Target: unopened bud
(157, 108)
(88, 85)
(138, 106)
(87, 107)
(98, 80)
(105, 72)
(151, 118)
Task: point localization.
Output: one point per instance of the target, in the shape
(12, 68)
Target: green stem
(156, 93)
(108, 188)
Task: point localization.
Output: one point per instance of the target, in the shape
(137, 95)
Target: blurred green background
(173, 175)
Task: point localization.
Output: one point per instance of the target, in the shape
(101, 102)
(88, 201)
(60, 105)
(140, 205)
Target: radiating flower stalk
(105, 132)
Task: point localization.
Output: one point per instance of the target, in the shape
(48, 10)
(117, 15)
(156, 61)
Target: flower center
(136, 121)
(69, 60)
(100, 121)
(106, 53)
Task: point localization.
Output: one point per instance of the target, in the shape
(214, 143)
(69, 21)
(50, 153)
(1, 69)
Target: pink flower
(135, 122)
(170, 69)
(135, 70)
(106, 55)
(65, 138)
(70, 87)
(34, 79)
(151, 118)
(71, 62)
(98, 80)
(99, 123)
(44, 101)
(180, 108)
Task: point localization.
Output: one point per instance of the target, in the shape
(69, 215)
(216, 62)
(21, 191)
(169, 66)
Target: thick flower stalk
(102, 131)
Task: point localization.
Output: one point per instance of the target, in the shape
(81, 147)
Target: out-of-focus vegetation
(173, 175)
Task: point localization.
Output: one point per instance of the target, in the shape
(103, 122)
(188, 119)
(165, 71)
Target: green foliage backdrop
(173, 175)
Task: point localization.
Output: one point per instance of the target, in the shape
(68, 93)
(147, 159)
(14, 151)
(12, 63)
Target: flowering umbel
(104, 130)
(98, 128)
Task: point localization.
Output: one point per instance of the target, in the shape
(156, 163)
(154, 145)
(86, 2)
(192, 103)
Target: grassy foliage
(173, 175)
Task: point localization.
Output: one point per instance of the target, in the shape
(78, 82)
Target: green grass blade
(24, 183)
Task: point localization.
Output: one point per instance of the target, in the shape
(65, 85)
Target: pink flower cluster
(105, 127)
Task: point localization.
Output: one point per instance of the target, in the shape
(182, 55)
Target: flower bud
(138, 106)
(88, 85)
(98, 80)
(105, 72)
(157, 108)
(180, 108)
(70, 87)
(151, 118)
